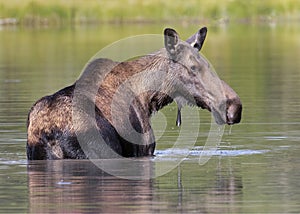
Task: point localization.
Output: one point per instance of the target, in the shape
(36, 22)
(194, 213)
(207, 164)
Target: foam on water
(198, 150)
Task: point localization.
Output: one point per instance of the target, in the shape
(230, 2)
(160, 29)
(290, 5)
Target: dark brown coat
(106, 113)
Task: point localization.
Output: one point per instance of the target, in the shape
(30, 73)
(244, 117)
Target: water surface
(255, 169)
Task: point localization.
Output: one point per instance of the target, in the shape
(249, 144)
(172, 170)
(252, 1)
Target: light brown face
(197, 83)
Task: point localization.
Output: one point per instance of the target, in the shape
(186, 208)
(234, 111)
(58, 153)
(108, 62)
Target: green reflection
(260, 62)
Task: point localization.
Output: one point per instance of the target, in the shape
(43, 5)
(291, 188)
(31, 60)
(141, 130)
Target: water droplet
(230, 128)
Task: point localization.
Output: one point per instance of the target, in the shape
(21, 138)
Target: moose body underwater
(98, 117)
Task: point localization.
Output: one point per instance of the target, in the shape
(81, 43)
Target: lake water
(255, 169)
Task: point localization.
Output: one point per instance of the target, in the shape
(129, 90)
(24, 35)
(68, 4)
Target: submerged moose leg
(137, 136)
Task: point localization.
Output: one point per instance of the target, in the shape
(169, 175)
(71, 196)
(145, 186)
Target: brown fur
(61, 126)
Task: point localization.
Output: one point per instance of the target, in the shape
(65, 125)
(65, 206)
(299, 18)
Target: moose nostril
(230, 116)
(234, 112)
(232, 119)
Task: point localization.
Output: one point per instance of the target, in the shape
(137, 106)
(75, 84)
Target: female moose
(177, 72)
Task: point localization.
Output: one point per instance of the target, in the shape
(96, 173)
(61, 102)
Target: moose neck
(155, 81)
(146, 79)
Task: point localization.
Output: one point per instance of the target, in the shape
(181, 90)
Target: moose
(109, 107)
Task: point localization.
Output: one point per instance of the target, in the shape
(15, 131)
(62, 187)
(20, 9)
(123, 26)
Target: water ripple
(197, 151)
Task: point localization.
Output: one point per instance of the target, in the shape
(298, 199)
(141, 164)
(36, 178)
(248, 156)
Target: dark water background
(255, 169)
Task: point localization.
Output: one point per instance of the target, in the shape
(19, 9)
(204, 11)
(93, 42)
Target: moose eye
(193, 68)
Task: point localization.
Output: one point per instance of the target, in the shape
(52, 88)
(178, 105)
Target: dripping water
(178, 120)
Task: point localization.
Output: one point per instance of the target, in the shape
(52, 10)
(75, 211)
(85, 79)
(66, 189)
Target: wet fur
(51, 133)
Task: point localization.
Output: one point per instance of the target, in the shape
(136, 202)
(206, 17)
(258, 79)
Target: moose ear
(198, 38)
(171, 40)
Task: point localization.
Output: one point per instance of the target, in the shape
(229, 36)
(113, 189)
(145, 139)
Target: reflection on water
(256, 168)
(80, 186)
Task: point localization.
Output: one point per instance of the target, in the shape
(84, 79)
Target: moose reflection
(79, 186)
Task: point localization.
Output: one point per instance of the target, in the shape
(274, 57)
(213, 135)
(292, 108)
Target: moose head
(195, 81)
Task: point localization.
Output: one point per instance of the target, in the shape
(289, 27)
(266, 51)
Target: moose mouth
(222, 115)
(227, 112)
